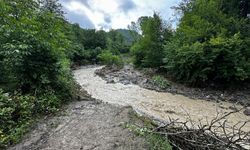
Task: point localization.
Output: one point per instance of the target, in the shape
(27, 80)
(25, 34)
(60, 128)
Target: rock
(110, 80)
(125, 82)
(145, 81)
(233, 108)
(247, 111)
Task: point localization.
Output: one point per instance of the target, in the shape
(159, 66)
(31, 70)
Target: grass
(155, 141)
(160, 82)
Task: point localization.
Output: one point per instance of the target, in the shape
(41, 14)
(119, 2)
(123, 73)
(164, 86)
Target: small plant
(156, 141)
(137, 130)
(160, 82)
(109, 59)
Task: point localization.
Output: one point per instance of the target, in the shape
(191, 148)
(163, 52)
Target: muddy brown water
(157, 105)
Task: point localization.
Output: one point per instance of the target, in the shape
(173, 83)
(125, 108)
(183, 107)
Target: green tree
(115, 41)
(148, 50)
(210, 43)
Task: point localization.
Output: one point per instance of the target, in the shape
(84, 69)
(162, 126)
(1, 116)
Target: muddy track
(84, 125)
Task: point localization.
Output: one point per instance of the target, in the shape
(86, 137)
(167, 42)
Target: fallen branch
(216, 134)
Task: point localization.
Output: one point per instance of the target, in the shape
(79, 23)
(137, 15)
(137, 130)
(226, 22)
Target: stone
(247, 111)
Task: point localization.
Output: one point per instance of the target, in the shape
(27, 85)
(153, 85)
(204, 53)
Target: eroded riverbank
(157, 105)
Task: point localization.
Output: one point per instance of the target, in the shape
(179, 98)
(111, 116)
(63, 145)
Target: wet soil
(84, 125)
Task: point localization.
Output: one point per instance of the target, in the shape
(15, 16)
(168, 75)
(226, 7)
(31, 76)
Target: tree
(34, 62)
(115, 41)
(52, 6)
(210, 43)
(148, 51)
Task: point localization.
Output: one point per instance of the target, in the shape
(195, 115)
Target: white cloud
(119, 13)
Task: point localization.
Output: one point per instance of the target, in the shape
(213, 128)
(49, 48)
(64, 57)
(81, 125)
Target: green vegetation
(148, 50)
(110, 59)
(35, 74)
(89, 44)
(160, 82)
(37, 48)
(156, 141)
(144, 129)
(210, 44)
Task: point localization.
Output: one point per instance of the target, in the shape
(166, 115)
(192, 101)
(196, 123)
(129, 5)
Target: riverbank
(129, 75)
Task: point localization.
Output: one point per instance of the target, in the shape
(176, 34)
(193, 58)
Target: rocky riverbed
(129, 75)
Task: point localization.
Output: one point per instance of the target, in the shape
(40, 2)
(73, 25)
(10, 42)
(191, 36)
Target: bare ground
(84, 125)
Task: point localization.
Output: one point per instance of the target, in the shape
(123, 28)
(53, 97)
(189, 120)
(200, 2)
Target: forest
(39, 48)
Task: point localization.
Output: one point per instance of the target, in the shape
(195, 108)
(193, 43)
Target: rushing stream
(157, 105)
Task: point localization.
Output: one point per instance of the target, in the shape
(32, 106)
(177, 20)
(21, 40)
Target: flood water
(157, 105)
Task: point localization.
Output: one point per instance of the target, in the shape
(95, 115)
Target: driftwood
(215, 134)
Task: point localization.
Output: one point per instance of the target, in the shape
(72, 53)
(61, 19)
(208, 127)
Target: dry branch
(214, 135)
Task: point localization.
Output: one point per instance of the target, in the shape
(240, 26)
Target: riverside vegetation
(38, 48)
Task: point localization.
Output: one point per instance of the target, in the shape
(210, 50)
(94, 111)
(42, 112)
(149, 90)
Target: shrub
(221, 59)
(15, 116)
(47, 102)
(109, 59)
(17, 112)
(160, 82)
(34, 60)
(138, 54)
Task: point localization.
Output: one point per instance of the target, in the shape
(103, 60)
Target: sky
(115, 14)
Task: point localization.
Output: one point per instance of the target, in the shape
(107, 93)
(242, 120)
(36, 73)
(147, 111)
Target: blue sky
(115, 14)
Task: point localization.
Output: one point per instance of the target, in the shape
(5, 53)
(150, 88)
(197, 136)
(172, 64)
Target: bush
(15, 115)
(34, 61)
(138, 54)
(109, 59)
(17, 112)
(160, 82)
(222, 60)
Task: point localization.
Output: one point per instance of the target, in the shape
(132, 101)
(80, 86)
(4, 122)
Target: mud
(84, 125)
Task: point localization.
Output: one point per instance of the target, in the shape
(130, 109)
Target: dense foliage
(35, 70)
(148, 50)
(37, 48)
(108, 58)
(210, 44)
(88, 44)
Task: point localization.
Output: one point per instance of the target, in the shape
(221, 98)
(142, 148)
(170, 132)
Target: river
(157, 105)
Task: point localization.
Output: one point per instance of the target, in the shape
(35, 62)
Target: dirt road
(84, 125)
